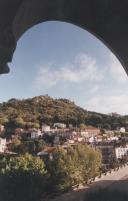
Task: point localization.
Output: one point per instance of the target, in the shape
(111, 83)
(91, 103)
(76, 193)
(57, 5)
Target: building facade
(2, 145)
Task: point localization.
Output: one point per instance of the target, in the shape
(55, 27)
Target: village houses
(2, 145)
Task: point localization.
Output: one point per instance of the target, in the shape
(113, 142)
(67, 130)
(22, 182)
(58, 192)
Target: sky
(65, 61)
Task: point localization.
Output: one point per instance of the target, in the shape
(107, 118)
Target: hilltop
(33, 112)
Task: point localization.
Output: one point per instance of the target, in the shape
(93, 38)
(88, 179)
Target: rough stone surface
(106, 19)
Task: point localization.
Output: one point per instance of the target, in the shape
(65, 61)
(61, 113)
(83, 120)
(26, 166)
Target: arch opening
(88, 16)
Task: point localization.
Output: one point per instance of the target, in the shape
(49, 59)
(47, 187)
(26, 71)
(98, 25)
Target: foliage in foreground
(28, 178)
(72, 167)
(22, 178)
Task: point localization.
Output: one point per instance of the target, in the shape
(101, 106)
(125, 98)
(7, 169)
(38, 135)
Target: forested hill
(33, 112)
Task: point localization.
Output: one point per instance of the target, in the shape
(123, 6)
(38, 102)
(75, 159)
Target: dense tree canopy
(33, 112)
(29, 178)
(27, 146)
(73, 166)
(23, 163)
(22, 178)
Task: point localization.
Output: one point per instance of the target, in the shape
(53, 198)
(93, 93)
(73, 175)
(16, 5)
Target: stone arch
(106, 20)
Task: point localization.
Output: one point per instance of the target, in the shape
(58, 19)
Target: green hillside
(33, 112)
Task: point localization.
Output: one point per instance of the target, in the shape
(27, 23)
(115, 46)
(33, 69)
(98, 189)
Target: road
(115, 180)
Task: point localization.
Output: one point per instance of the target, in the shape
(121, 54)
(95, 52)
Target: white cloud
(103, 84)
(84, 68)
(116, 70)
(113, 98)
(107, 103)
(46, 78)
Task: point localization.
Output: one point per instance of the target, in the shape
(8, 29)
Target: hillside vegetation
(33, 112)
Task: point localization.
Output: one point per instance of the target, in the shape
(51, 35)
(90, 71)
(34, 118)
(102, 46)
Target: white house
(71, 141)
(45, 128)
(84, 134)
(1, 128)
(109, 133)
(74, 133)
(121, 152)
(112, 138)
(36, 134)
(2, 145)
(90, 131)
(91, 139)
(122, 130)
(59, 125)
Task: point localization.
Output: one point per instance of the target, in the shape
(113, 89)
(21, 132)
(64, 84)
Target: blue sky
(63, 60)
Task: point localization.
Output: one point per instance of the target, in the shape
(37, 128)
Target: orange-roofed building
(46, 153)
